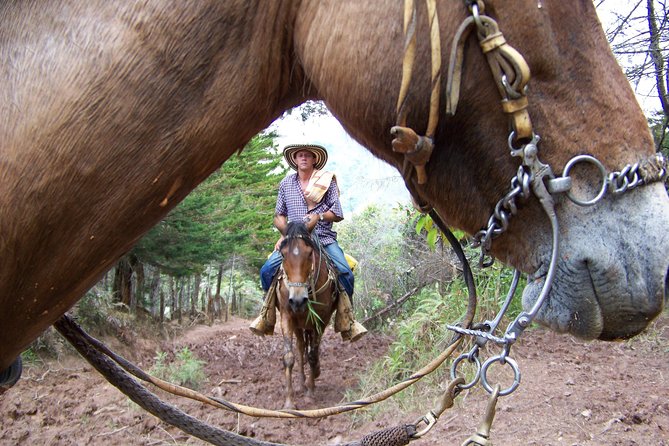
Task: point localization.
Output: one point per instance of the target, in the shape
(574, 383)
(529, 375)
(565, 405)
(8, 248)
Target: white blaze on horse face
(296, 251)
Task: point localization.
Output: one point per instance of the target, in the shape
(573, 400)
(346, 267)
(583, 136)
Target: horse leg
(288, 360)
(11, 375)
(299, 340)
(314, 362)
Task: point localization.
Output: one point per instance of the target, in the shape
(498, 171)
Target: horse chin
(580, 317)
(585, 317)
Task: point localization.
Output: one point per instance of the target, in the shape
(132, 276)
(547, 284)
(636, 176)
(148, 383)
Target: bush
(423, 334)
(186, 370)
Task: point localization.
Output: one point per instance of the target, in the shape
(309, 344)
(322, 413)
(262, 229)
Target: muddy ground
(572, 393)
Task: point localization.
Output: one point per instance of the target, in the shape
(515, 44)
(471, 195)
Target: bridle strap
(418, 149)
(312, 279)
(408, 60)
(408, 63)
(508, 67)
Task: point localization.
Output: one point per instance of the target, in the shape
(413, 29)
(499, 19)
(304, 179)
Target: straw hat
(319, 153)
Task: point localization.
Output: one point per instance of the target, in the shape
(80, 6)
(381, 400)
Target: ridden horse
(113, 111)
(307, 297)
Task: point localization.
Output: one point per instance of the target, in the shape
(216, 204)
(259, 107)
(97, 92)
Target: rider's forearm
(281, 223)
(331, 216)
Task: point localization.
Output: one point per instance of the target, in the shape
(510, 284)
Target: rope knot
(416, 149)
(653, 168)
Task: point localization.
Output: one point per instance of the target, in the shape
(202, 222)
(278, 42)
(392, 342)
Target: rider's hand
(311, 220)
(276, 247)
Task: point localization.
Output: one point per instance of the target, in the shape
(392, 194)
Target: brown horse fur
(303, 261)
(113, 111)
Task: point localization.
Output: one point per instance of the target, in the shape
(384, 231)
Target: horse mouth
(597, 302)
(298, 309)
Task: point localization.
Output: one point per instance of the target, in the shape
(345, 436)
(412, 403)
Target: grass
(313, 317)
(422, 335)
(185, 370)
(653, 338)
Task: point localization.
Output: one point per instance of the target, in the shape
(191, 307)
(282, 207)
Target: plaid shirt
(292, 204)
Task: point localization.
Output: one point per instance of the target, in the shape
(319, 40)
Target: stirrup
(260, 327)
(356, 332)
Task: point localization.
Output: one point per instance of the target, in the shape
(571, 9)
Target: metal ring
(590, 159)
(474, 8)
(473, 382)
(516, 375)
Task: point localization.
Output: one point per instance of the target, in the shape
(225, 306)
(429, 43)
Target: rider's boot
(264, 324)
(345, 323)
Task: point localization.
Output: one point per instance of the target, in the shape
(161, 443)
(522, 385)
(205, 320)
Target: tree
(228, 216)
(247, 185)
(639, 37)
(230, 212)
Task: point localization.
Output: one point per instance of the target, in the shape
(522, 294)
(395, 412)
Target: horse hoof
(11, 375)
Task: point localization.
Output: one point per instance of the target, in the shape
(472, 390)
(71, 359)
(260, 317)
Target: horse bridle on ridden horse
(312, 279)
(511, 74)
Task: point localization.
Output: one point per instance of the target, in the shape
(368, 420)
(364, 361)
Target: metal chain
(506, 207)
(499, 220)
(638, 174)
(616, 183)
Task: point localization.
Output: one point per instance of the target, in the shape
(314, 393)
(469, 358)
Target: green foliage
(313, 317)
(159, 368)
(30, 357)
(93, 309)
(422, 334)
(230, 212)
(186, 370)
(424, 223)
(375, 238)
(659, 128)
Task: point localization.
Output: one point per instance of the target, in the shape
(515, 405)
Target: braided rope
(144, 398)
(98, 347)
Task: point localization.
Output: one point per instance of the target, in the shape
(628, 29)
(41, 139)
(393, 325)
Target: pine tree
(229, 213)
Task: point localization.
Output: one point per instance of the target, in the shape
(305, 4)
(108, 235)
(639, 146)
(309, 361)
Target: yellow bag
(352, 262)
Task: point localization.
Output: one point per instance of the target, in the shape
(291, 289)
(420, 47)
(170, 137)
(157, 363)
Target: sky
(364, 179)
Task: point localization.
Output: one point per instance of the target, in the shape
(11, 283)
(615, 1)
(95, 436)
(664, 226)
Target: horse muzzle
(612, 272)
(297, 299)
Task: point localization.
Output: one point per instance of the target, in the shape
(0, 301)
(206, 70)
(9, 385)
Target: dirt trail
(572, 393)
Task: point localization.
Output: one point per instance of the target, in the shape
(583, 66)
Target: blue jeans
(335, 253)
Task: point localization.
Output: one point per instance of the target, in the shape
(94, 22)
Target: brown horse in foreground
(307, 299)
(113, 111)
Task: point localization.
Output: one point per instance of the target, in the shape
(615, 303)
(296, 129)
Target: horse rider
(310, 195)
